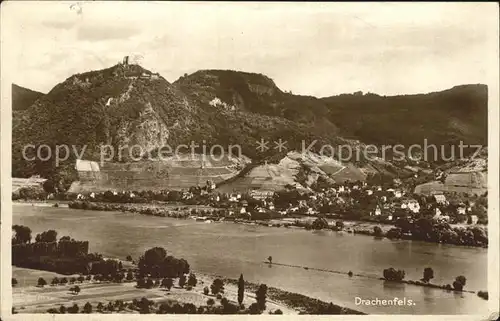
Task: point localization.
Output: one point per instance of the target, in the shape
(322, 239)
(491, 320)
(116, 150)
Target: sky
(318, 49)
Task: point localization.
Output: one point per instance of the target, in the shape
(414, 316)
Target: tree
(62, 309)
(63, 280)
(22, 234)
(144, 306)
(100, 306)
(241, 289)
(14, 282)
(254, 308)
(270, 259)
(339, 225)
(81, 278)
(130, 276)
(428, 274)
(459, 283)
(152, 260)
(319, 224)
(87, 308)
(192, 280)
(182, 280)
(129, 258)
(55, 281)
(74, 309)
(260, 296)
(392, 275)
(41, 282)
(65, 239)
(89, 277)
(167, 283)
(72, 280)
(76, 289)
(377, 231)
(47, 236)
(206, 290)
(210, 302)
(217, 286)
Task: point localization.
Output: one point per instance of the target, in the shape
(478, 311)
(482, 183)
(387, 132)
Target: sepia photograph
(218, 158)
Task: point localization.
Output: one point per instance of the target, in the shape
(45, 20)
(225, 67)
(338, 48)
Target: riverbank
(455, 235)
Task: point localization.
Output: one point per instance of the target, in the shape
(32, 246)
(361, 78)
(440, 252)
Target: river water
(230, 249)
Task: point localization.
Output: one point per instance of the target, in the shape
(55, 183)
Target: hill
(443, 118)
(127, 105)
(119, 106)
(23, 98)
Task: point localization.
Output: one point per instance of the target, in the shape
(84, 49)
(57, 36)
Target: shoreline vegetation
(470, 236)
(155, 271)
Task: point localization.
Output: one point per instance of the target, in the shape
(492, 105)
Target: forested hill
(22, 98)
(445, 117)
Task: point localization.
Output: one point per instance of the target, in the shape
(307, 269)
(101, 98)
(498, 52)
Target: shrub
(206, 290)
(483, 294)
(392, 275)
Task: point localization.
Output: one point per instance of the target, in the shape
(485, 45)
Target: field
(467, 182)
(28, 298)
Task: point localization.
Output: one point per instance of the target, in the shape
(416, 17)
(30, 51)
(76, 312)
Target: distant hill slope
(23, 98)
(446, 117)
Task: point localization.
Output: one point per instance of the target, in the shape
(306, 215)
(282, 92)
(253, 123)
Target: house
(310, 211)
(444, 218)
(437, 213)
(261, 194)
(398, 193)
(461, 209)
(378, 211)
(440, 198)
(243, 210)
(383, 199)
(369, 192)
(474, 219)
(411, 204)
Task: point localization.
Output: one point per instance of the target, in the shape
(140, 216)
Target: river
(230, 249)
